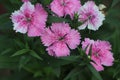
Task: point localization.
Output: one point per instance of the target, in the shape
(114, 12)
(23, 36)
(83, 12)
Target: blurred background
(26, 67)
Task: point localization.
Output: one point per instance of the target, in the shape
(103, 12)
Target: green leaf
(70, 58)
(115, 2)
(34, 54)
(57, 71)
(19, 43)
(15, 1)
(8, 62)
(37, 74)
(74, 72)
(46, 2)
(90, 50)
(20, 52)
(23, 60)
(94, 72)
(52, 19)
(6, 51)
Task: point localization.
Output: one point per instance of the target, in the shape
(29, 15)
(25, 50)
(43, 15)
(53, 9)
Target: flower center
(62, 37)
(63, 3)
(97, 53)
(28, 19)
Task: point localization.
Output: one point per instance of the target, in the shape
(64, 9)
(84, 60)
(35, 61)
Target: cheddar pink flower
(59, 38)
(29, 19)
(65, 7)
(90, 16)
(101, 53)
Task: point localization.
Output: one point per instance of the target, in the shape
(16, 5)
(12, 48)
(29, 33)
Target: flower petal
(73, 39)
(60, 29)
(27, 8)
(98, 67)
(58, 49)
(48, 37)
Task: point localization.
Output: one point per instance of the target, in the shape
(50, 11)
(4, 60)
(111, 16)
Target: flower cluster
(59, 38)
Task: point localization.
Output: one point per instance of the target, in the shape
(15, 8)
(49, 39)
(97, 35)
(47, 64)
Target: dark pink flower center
(61, 38)
(28, 19)
(88, 16)
(63, 3)
(97, 54)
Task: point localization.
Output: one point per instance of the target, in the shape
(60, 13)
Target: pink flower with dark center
(90, 16)
(29, 19)
(59, 38)
(101, 53)
(65, 7)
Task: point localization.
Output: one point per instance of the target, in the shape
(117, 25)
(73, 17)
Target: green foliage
(28, 61)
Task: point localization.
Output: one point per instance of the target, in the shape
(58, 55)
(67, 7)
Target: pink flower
(29, 19)
(65, 7)
(90, 16)
(101, 53)
(59, 38)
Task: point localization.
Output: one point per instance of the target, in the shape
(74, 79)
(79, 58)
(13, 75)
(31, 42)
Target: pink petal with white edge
(83, 26)
(27, 8)
(17, 16)
(90, 16)
(19, 27)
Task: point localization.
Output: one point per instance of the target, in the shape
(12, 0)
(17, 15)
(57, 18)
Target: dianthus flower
(90, 16)
(59, 38)
(29, 19)
(65, 7)
(101, 54)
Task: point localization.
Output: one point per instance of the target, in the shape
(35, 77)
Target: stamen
(28, 19)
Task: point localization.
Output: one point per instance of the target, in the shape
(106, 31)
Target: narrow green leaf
(90, 50)
(19, 43)
(34, 54)
(70, 58)
(37, 74)
(8, 62)
(52, 19)
(74, 72)
(23, 60)
(20, 52)
(6, 51)
(57, 71)
(115, 2)
(94, 72)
